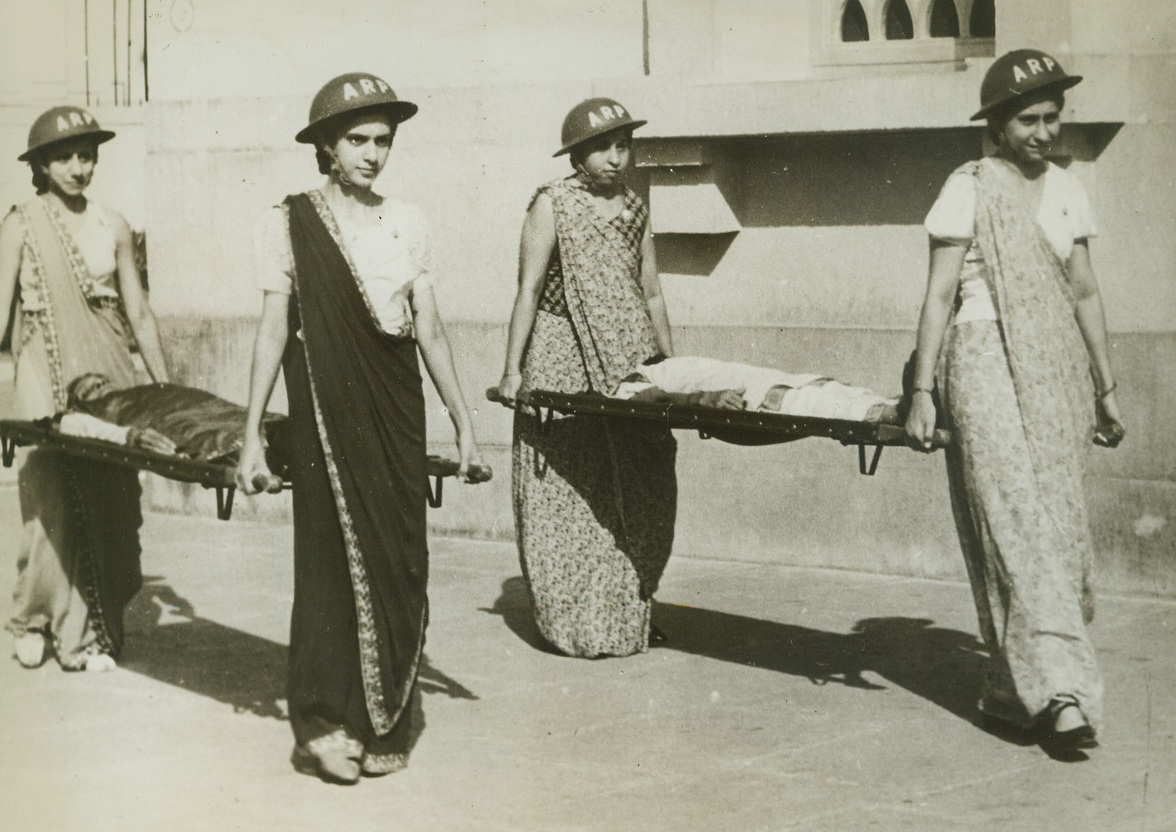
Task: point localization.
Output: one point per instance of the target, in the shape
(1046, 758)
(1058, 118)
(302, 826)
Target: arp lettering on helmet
(76, 119)
(367, 86)
(607, 114)
(1035, 68)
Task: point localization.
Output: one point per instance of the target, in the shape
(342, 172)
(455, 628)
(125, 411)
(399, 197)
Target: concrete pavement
(786, 699)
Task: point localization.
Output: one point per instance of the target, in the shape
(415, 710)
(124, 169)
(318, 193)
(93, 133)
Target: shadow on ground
(167, 641)
(941, 665)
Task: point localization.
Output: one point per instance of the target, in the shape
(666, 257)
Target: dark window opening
(945, 21)
(899, 25)
(983, 20)
(853, 23)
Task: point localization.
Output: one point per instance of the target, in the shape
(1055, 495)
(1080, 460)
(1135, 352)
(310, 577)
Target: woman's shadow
(941, 665)
(167, 641)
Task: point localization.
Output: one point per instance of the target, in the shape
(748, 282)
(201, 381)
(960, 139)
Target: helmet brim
(629, 125)
(96, 137)
(1059, 85)
(399, 111)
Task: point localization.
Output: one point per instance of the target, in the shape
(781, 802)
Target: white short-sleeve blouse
(391, 258)
(1064, 215)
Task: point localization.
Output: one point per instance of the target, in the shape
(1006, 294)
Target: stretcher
(738, 427)
(218, 476)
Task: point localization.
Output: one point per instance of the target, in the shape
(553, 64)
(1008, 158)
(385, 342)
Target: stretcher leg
(863, 467)
(434, 491)
(224, 501)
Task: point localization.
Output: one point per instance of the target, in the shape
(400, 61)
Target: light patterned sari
(1021, 404)
(594, 502)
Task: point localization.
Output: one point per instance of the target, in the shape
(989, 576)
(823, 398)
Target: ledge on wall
(684, 197)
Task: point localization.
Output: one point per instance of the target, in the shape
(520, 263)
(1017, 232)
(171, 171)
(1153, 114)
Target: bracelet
(1108, 391)
(926, 390)
(512, 375)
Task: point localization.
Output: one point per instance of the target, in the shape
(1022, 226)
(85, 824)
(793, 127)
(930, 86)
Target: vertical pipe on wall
(645, 36)
(86, 42)
(114, 47)
(127, 86)
(146, 90)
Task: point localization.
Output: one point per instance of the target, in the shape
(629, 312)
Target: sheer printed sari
(357, 432)
(1020, 399)
(594, 502)
(79, 563)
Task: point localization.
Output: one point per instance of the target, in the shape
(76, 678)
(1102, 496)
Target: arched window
(945, 21)
(899, 25)
(853, 23)
(982, 23)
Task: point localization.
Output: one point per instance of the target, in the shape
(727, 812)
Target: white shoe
(100, 663)
(31, 649)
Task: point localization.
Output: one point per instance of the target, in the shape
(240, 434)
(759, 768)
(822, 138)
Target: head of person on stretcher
(199, 424)
(730, 385)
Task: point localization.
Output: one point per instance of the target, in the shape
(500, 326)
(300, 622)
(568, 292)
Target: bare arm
(654, 299)
(1093, 325)
(434, 347)
(272, 331)
(139, 314)
(947, 259)
(535, 248)
(11, 242)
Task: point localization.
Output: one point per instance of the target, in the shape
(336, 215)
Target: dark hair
(576, 153)
(323, 158)
(330, 131)
(40, 159)
(999, 117)
(72, 400)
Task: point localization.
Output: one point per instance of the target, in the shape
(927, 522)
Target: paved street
(786, 699)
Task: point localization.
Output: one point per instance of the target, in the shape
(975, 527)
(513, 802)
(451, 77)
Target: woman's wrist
(1103, 394)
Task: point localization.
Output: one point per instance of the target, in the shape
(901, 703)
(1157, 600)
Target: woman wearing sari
(80, 307)
(1027, 375)
(594, 502)
(348, 302)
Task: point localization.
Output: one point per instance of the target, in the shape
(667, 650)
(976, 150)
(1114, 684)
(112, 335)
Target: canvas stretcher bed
(738, 427)
(213, 475)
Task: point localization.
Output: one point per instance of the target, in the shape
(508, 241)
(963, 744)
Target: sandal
(333, 758)
(31, 649)
(1078, 737)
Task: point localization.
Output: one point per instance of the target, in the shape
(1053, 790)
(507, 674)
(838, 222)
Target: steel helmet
(351, 92)
(1018, 73)
(591, 118)
(59, 124)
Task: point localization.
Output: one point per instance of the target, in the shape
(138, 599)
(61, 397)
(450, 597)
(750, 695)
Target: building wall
(826, 169)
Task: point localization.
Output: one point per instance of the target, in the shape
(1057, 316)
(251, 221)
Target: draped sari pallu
(80, 563)
(361, 557)
(1018, 476)
(594, 501)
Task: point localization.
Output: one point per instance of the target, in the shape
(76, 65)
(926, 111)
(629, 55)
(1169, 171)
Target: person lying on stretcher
(165, 418)
(730, 385)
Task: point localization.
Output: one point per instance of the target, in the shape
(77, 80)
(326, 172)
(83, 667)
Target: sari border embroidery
(369, 657)
(328, 217)
(73, 255)
(45, 315)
